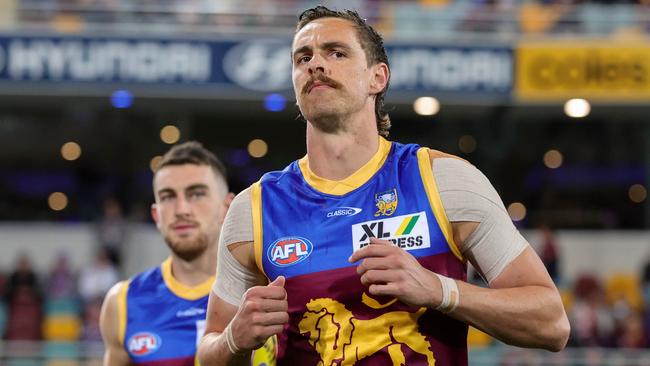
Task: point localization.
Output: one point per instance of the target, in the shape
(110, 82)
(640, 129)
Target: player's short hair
(371, 42)
(192, 152)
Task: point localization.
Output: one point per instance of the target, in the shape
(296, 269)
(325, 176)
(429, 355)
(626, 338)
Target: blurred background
(549, 98)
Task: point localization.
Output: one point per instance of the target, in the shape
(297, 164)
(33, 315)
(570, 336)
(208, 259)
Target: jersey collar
(354, 181)
(181, 290)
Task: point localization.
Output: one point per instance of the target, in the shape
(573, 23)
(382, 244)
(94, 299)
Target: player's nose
(316, 64)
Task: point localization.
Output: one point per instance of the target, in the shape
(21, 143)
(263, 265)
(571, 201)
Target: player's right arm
(261, 314)
(242, 309)
(114, 354)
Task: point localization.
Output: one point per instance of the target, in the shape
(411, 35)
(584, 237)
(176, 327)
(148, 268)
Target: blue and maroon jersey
(306, 228)
(162, 320)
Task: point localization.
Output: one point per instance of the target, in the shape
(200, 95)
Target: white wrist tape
(230, 341)
(450, 295)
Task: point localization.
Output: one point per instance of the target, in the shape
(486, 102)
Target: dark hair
(371, 42)
(192, 152)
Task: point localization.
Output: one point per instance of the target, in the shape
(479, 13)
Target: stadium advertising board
(604, 71)
(229, 67)
(451, 69)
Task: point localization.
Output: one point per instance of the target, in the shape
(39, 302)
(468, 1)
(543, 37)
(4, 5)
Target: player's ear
(225, 205)
(380, 77)
(154, 212)
(228, 200)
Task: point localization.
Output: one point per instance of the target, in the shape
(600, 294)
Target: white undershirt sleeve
(233, 279)
(467, 195)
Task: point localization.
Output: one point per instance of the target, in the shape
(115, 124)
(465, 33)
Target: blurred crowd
(400, 18)
(60, 305)
(611, 312)
(63, 304)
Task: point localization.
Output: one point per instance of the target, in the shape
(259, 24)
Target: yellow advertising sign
(596, 71)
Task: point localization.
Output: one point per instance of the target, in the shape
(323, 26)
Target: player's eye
(196, 194)
(303, 59)
(166, 197)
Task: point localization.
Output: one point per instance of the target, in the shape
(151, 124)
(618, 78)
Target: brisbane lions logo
(341, 339)
(386, 202)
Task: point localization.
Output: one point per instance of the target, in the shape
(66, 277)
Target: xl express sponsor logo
(409, 232)
(144, 343)
(288, 251)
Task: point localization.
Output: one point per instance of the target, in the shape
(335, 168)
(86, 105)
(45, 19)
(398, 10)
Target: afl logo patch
(144, 343)
(288, 251)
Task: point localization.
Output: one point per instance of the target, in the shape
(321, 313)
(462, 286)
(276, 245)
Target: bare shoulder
(111, 298)
(111, 326)
(109, 318)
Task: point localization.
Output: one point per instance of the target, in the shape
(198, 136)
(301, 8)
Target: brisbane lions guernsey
(306, 227)
(161, 319)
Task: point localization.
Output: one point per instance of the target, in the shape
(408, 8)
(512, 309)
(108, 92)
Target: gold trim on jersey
(256, 206)
(354, 181)
(121, 310)
(426, 172)
(182, 290)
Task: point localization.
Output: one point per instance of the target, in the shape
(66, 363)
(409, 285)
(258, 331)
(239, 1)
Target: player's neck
(336, 156)
(197, 271)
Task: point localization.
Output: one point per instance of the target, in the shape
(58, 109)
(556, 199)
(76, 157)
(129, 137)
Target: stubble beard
(330, 118)
(188, 249)
(331, 123)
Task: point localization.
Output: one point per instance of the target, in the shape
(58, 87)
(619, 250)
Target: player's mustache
(323, 79)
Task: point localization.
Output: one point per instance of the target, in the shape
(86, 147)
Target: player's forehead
(326, 30)
(179, 177)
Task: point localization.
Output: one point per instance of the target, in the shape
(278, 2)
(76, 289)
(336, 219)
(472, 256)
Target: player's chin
(188, 253)
(186, 241)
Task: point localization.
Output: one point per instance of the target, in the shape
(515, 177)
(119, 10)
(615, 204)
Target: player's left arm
(522, 306)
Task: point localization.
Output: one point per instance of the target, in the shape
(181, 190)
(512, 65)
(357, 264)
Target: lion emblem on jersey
(341, 339)
(386, 202)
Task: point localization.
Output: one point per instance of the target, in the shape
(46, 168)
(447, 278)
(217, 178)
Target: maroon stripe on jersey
(332, 300)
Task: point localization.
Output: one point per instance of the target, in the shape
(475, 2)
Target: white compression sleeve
(467, 195)
(233, 279)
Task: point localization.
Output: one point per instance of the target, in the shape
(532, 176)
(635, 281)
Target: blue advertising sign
(223, 66)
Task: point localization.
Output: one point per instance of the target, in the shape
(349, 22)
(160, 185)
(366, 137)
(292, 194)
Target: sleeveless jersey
(162, 320)
(306, 227)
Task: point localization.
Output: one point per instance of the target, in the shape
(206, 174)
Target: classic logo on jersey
(190, 312)
(386, 202)
(288, 251)
(409, 232)
(144, 343)
(344, 211)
